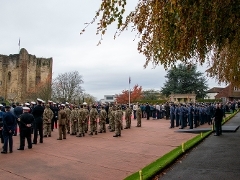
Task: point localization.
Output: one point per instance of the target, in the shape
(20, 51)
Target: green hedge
(163, 162)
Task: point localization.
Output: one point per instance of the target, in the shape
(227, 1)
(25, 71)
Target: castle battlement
(20, 73)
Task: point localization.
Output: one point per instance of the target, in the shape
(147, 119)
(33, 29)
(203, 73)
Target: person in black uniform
(218, 116)
(25, 123)
(17, 111)
(38, 121)
(9, 124)
(147, 111)
(55, 110)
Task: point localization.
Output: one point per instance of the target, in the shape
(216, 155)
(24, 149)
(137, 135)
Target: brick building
(229, 93)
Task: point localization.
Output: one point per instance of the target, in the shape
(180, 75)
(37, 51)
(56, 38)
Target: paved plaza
(96, 157)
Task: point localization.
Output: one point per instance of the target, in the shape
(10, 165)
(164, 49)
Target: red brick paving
(96, 157)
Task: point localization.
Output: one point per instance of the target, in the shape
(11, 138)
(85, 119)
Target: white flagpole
(129, 92)
(19, 44)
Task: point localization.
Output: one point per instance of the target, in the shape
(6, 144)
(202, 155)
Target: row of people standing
(193, 115)
(26, 121)
(156, 111)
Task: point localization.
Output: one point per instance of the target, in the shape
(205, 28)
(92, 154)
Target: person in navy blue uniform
(1, 123)
(177, 114)
(190, 116)
(9, 124)
(196, 115)
(17, 111)
(38, 121)
(181, 114)
(148, 110)
(172, 115)
(25, 123)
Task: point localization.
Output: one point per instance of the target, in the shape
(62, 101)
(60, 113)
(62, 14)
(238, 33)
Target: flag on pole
(129, 81)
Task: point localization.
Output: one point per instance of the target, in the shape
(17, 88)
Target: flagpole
(129, 81)
(19, 45)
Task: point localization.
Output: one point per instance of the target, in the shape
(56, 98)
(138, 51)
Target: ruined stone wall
(20, 73)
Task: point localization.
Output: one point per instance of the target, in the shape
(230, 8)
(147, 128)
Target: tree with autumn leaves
(135, 95)
(171, 31)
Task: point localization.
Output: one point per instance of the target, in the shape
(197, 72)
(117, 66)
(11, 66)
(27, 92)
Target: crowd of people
(40, 118)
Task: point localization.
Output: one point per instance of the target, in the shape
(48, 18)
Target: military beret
(7, 106)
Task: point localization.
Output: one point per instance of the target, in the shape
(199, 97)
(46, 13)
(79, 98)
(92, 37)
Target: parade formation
(40, 119)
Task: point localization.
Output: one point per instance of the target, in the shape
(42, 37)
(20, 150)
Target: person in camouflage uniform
(86, 121)
(108, 116)
(118, 119)
(139, 116)
(74, 121)
(47, 118)
(93, 120)
(128, 114)
(112, 118)
(62, 117)
(102, 120)
(82, 115)
(68, 111)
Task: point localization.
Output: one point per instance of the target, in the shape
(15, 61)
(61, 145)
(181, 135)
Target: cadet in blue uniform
(181, 114)
(190, 116)
(172, 115)
(177, 115)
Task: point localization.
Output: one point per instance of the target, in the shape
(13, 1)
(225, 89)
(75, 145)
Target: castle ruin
(20, 73)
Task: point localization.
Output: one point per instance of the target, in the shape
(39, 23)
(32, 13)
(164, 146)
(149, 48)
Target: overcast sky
(51, 28)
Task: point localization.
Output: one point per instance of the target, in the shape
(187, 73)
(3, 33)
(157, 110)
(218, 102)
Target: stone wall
(20, 73)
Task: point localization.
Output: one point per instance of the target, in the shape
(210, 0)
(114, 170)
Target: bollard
(183, 147)
(201, 135)
(140, 174)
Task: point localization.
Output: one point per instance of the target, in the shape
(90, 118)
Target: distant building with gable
(211, 93)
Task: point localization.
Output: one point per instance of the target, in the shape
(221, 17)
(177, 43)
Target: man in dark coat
(38, 121)
(25, 123)
(218, 116)
(147, 109)
(9, 124)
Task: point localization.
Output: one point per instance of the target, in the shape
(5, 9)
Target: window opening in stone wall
(38, 79)
(9, 76)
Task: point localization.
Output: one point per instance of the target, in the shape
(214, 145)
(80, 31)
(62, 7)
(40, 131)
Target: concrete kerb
(168, 159)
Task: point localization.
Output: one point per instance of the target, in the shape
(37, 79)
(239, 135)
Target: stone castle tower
(20, 73)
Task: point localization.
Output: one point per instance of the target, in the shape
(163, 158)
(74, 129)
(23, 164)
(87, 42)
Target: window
(109, 98)
(236, 89)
